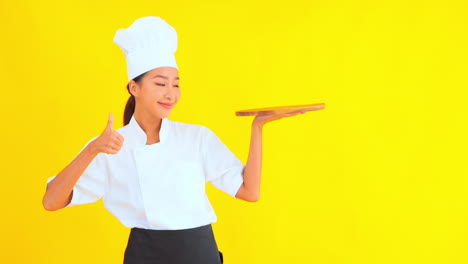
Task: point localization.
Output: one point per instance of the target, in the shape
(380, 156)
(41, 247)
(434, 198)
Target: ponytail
(129, 110)
(131, 103)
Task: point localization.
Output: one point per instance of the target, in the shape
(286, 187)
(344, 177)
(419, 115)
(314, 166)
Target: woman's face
(157, 93)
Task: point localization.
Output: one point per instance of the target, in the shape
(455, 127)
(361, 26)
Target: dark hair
(130, 106)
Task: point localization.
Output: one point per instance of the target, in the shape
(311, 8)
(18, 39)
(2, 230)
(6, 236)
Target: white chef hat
(148, 43)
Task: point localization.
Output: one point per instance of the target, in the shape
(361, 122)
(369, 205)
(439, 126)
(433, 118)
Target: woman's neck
(151, 126)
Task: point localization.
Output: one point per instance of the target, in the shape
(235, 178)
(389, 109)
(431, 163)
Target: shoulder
(181, 127)
(123, 130)
(193, 132)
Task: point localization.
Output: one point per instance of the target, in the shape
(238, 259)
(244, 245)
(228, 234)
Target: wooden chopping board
(281, 110)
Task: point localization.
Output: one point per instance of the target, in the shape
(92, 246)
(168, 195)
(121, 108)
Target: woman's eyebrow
(164, 77)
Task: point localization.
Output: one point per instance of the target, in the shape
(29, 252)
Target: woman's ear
(132, 87)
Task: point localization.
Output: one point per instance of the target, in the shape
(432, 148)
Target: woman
(151, 173)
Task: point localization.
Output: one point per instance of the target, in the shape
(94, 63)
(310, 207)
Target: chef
(151, 173)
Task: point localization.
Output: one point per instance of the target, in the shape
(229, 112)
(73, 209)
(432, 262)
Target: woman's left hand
(259, 121)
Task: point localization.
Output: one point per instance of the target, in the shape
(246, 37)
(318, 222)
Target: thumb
(110, 123)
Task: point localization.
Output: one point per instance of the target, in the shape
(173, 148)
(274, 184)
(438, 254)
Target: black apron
(186, 246)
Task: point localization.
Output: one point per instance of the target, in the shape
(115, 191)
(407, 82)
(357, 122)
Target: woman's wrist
(91, 149)
(257, 125)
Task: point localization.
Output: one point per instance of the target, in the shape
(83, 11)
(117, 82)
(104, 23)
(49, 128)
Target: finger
(119, 137)
(118, 141)
(114, 145)
(112, 151)
(117, 144)
(110, 123)
(294, 113)
(286, 115)
(116, 148)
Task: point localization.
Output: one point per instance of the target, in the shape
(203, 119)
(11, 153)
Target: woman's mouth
(166, 105)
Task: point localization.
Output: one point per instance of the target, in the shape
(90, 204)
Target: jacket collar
(139, 135)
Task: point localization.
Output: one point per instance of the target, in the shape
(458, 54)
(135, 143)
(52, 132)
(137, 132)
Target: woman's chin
(164, 114)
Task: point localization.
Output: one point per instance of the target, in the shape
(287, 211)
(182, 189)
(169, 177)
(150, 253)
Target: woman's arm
(60, 190)
(250, 189)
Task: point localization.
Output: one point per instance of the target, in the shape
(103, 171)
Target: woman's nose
(170, 93)
(169, 96)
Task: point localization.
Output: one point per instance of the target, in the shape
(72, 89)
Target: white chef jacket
(161, 186)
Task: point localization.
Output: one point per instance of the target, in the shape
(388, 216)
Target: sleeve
(222, 168)
(91, 186)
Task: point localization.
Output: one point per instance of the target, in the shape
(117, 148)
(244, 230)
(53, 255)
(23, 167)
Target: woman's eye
(163, 84)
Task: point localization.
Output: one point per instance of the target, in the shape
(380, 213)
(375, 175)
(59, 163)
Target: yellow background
(379, 176)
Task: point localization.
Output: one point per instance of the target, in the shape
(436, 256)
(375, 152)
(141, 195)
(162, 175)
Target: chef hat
(148, 43)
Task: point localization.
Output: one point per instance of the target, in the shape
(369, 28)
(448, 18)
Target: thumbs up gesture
(109, 141)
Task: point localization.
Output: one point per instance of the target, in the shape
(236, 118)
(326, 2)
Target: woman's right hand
(110, 141)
